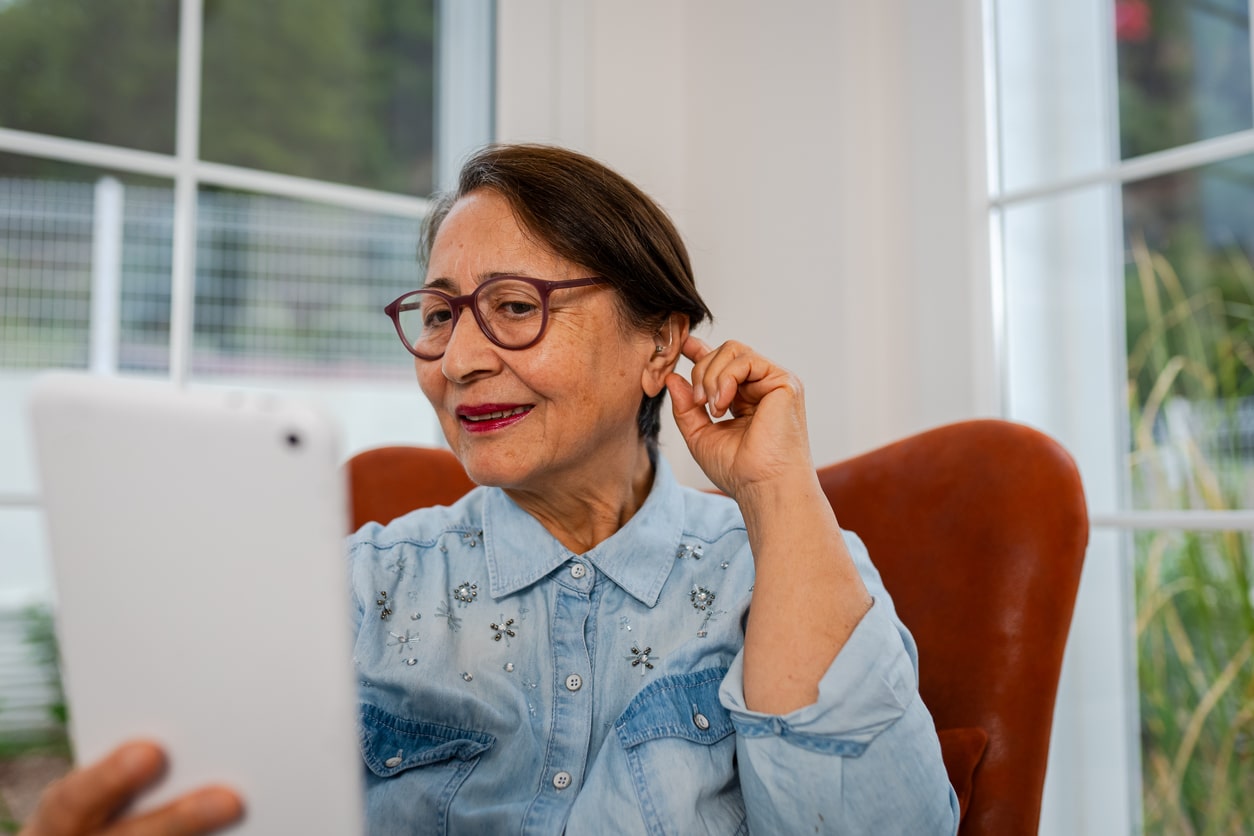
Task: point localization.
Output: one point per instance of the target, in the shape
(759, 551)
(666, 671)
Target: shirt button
(574, 682)
(391, 762)
(699, 720)
(578, 571)
(561, 780)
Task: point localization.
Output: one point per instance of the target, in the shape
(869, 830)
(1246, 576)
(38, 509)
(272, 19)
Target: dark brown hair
(591, 216)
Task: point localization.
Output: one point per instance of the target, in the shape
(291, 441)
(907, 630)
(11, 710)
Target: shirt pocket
(680, 747)
(413, 770)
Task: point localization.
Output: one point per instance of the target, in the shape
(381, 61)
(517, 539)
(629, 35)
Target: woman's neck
(584, 513)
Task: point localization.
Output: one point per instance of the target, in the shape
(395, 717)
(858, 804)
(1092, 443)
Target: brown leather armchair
(979, 530)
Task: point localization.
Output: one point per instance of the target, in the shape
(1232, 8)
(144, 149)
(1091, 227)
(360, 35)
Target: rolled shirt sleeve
(864, 757)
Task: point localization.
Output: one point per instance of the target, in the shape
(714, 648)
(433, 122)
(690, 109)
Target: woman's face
(569, 401)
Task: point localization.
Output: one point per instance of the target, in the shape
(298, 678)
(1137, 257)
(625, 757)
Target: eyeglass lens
(512, 312)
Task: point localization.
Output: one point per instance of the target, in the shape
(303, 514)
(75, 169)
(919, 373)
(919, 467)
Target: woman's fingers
(768, 436)
(199, 812)
(696, 349)
(87, 800)
(84, 800)
(690, 416)
(720, 375)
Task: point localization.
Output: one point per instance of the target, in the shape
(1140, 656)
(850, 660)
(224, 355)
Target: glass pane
(25, 573)
(1051, 114)
(104, 71)
(285, 288)
(17, 446)
(1195, 637)
(74, 241)
(1189, 286)
(336, 90)
(1184, 71)
(1062, 356)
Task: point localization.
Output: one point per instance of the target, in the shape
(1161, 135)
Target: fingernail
(218, 805)
(138, 760)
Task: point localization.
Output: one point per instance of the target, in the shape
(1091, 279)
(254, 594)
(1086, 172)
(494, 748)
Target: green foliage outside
(1184, 72)
(337, 90)
(1184, 75)
(53, 739)
(1191, 338)
(41, 644)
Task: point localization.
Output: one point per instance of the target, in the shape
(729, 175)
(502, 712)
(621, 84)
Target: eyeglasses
(512, 312)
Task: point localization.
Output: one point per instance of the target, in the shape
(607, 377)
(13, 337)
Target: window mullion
(186, 186)
(465, 55)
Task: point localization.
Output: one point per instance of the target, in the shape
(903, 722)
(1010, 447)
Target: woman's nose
(469, 351)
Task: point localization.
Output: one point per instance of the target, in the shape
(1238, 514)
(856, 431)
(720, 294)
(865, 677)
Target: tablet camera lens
(293, 440)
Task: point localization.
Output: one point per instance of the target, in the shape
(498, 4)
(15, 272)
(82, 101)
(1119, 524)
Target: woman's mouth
(489, 417)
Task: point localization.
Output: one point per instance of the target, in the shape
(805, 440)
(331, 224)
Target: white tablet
(197, 548)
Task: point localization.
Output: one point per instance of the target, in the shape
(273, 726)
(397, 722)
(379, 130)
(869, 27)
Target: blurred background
(929, 211)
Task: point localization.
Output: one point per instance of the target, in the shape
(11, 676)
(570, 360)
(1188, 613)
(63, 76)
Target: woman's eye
(436, 318)
(517, 307)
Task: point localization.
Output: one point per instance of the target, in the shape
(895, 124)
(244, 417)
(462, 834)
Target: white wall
(831, 149)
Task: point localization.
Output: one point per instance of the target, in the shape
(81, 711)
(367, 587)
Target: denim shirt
(510, 686)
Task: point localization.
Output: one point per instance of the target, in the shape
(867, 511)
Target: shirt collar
(638, 557)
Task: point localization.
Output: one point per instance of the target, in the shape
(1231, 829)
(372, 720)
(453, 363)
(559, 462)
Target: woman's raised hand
(88, 800)
(765, 441)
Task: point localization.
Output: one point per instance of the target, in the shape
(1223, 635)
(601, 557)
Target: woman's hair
(591, 216)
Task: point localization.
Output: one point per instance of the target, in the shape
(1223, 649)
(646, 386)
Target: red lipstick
(482, 418)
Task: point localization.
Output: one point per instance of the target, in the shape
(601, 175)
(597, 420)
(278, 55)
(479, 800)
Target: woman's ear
(668, 342)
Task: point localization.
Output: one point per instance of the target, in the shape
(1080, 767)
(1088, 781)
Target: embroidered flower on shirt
(503, 628)
(401, 641)
(694, 550)
(701, 597)
(710, 615)
(444, 611)
(640, 658)
(384, 608)
(465, 592)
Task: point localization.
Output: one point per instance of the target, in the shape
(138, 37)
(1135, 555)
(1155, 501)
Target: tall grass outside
(1191, 401)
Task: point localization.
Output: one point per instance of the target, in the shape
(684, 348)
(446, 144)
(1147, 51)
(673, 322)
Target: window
(219, 192)
(1121, 210)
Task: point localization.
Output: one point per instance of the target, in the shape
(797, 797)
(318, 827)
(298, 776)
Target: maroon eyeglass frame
(456, 303)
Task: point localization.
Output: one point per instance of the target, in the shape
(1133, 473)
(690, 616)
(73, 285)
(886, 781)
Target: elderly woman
(581, 644)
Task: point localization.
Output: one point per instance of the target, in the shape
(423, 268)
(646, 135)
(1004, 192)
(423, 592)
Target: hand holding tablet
(197, 545)
(88, 800)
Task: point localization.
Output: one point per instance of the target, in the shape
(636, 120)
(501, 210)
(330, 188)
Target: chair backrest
(979, 530)
(387, 482)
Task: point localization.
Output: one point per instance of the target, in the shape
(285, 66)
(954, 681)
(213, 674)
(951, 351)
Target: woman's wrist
(787, 493)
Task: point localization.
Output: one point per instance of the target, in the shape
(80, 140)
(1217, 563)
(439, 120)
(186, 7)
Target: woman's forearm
(807, 597)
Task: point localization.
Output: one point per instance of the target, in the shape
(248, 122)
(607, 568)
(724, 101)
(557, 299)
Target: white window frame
(1091, 790)
(464, 110)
